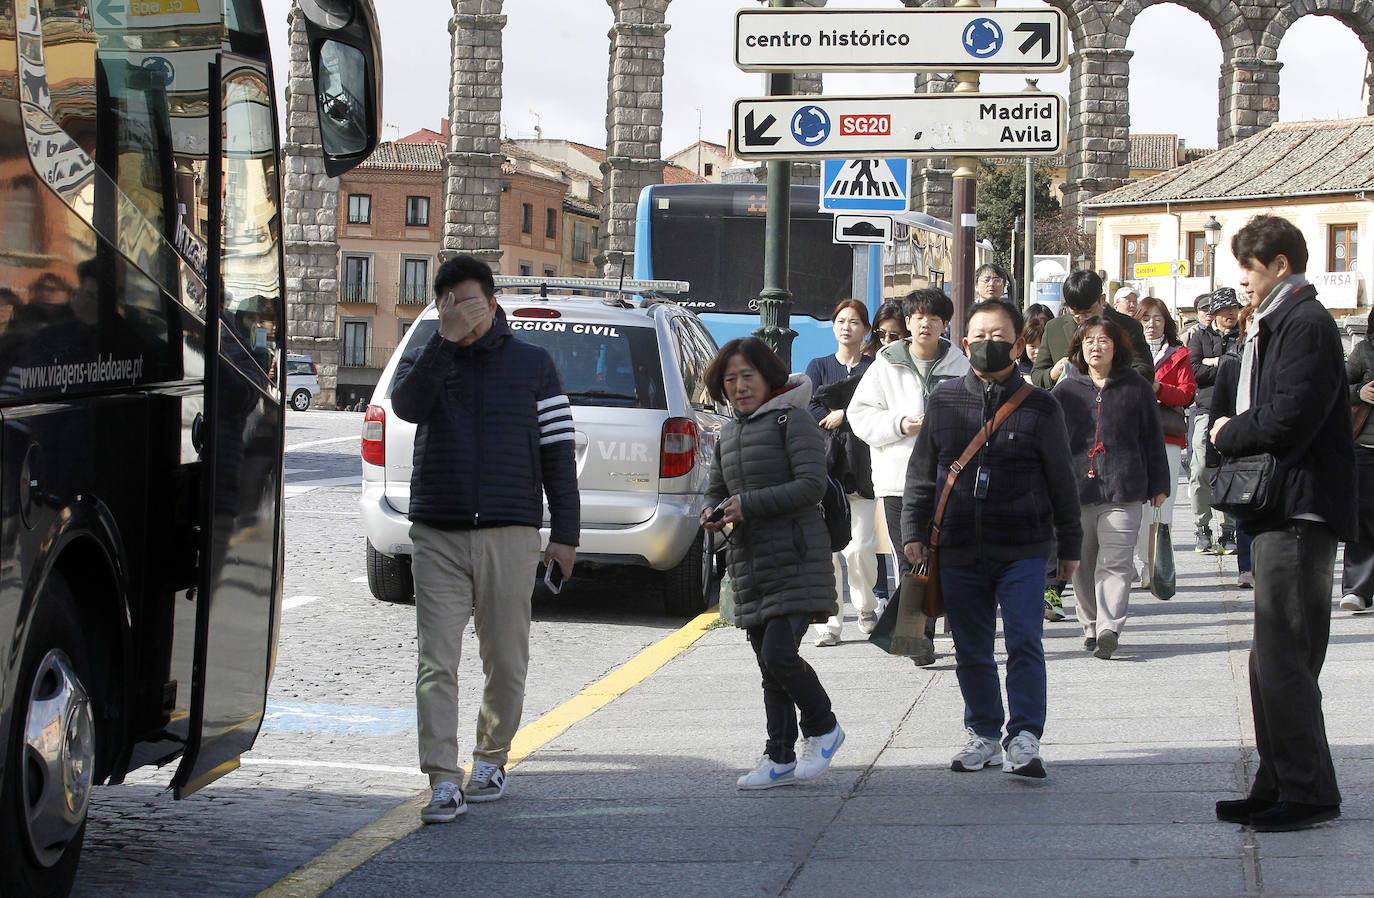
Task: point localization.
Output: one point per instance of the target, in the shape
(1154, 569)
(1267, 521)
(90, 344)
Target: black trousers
(1294, 568)
(789, 684)
(892, 513)
(1357, 576)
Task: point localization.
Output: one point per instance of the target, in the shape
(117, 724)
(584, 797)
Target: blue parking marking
(357, 720)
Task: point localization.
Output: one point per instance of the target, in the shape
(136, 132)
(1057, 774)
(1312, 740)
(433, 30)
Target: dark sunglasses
(888, 336)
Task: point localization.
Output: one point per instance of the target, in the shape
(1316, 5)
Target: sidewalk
(640, 799)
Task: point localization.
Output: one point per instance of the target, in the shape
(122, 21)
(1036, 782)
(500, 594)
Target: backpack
(834, 505)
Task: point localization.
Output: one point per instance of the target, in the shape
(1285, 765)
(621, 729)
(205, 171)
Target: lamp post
(1212, 231)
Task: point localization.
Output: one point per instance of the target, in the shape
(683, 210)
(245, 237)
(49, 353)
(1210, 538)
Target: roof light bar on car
(598, 285)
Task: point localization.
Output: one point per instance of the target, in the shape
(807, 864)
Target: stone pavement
(639, 799)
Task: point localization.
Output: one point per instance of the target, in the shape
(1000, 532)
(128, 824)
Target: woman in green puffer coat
(767, 479)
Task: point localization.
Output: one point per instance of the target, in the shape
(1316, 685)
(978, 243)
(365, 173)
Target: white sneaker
(487, 783)
(816, 753)
(1023, 756)
(1352, 602)
(446, 804)
(827, 639)
(768, 775)
(868, 620)
(976, 754)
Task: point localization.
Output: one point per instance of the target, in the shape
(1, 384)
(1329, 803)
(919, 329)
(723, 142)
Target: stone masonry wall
(310, 225)
(472, 202)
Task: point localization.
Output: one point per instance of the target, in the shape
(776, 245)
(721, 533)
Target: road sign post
(775, 300)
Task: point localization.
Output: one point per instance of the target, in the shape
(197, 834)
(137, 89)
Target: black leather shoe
(1239, 810)
(1290, 815)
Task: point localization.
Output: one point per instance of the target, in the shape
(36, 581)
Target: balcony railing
(358, 291)
(413, 294)
(363, 355)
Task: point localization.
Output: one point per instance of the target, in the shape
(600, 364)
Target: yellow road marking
(347, 855)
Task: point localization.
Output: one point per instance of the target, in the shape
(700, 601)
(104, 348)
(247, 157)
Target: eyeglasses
(888, 336)
(991, 279)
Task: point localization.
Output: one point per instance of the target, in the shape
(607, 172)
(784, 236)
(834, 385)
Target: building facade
(1312, 173)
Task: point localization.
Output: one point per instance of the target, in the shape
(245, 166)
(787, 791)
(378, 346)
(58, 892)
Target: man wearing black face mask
(1005, 510)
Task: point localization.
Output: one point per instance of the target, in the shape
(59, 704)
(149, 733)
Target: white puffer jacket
(891, 390)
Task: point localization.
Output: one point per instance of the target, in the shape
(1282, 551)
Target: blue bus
(712, 235)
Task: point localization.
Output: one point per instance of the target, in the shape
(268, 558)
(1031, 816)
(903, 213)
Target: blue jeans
(973, 593)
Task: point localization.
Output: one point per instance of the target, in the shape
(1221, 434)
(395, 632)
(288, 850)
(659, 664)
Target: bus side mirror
(346, 65)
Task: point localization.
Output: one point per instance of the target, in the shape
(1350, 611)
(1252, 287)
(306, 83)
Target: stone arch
(472, 188)
(1357, 15)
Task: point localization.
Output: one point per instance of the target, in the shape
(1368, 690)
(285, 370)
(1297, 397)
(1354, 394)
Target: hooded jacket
(1115, 434)
(779, 556)
(495, 431)
(892, 389)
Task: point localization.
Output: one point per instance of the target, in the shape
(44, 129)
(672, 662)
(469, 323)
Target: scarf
(1159, 349)
(1245, 388)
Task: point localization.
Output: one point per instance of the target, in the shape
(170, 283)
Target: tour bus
(712, 236)
(142, 379)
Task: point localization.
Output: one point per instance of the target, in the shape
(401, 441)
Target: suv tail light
(374, 436)
(679, 449)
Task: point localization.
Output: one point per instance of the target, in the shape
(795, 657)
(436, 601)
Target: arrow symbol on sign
(756, 136)
(108, 9)
(1039, 34)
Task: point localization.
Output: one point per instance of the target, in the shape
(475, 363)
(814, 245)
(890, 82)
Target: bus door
(244, 427)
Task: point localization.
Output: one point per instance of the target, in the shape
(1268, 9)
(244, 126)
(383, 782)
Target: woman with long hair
(1117, 446)
(767, 480)
(1175, 387)
(833, 379)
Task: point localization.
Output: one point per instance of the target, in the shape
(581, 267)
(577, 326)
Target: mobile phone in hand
(553, 577)
(717, 514)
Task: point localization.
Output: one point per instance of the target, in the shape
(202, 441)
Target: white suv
(635, 373)
(302, 381)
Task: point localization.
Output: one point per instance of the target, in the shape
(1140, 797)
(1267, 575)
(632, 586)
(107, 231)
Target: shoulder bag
(933, 602)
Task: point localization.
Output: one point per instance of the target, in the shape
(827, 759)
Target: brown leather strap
(983, 436)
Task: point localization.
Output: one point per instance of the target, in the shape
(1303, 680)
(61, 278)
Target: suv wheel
(389, 576)
(686, 586)
(300, 400)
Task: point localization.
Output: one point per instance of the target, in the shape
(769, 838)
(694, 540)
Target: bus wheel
(50, 754)
(300, 400)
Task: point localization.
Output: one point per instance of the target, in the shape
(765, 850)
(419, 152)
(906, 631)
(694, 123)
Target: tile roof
(391, 155)
(676, 174)
(718, 147)
(1286, 159)
(1149, 152)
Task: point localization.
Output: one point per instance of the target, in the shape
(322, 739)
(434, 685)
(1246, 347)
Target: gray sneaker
(446, 803)
(487, 783)
(976, 754)
(1023, 755)
(867, 621)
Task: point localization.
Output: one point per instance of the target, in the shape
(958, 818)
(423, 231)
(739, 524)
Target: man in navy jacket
(495, 430)
(1291, 402)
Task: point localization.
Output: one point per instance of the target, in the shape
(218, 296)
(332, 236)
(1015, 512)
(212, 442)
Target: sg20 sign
(865, 124)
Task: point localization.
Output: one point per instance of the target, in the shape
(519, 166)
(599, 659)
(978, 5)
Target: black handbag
(1245, 486)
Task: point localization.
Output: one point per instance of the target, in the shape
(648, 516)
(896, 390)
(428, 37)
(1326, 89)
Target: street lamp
(1212, 231)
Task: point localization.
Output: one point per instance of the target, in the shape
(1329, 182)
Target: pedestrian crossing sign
(865, 185)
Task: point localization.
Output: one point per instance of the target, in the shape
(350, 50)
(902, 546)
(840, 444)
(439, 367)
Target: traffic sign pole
(965, 224)
(775, 300)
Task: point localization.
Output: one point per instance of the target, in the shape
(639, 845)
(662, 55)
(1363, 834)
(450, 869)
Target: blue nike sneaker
(769, 775)
(817, 752)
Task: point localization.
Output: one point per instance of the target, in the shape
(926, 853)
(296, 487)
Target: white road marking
(355, 438)
(306, 486)
(336, 765)
(298, 601)
(358, 580)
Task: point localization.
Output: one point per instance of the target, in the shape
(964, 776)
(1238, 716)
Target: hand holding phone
(553, 577)
(716, 515)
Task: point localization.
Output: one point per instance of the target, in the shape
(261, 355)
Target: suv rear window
(299, 367)
(601, 364)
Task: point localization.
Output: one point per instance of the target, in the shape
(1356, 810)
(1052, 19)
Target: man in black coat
(1206, 347)
(1291, 402)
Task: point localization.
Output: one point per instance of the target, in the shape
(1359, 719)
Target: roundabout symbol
(810, 126)
(982, 38)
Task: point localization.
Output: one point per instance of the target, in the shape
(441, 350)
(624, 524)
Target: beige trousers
(1102, 584)
(486, 575)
